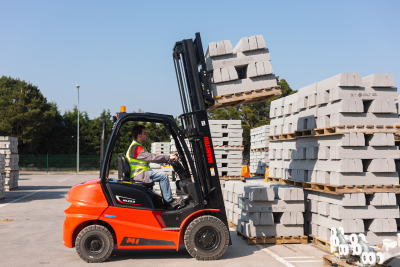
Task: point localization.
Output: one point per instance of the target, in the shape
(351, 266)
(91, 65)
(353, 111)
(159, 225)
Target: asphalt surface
(31, 219)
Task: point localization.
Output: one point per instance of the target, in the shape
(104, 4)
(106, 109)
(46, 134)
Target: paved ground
(34, 236)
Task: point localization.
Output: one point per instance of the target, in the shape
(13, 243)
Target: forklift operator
(139, 160)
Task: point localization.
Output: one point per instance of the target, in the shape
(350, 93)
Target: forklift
(107, 213)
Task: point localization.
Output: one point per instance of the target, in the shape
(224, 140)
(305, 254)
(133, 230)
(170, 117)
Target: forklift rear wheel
(94, 244)
(206, 238)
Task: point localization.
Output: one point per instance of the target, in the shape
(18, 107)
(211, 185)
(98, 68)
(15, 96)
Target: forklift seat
(124, 172)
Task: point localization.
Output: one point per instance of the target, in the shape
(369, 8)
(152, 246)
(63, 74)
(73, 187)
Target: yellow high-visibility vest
(136, 165)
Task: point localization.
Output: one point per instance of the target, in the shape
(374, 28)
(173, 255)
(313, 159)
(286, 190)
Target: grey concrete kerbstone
(379, 80)
(366, 212)
(273, 230)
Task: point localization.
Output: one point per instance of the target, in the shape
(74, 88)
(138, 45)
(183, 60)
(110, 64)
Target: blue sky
(119, 52)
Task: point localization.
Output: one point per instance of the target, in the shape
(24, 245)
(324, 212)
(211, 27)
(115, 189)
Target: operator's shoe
(176, 201)
(173, 204)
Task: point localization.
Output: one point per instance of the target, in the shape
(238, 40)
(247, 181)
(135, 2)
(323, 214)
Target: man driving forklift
(139, 160)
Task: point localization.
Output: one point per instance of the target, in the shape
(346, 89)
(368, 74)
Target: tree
(24, 113)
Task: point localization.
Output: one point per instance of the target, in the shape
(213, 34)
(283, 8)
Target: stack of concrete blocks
(262, 209)
(162, 148)
(352, 158)
(348, 159)
(371, 214)
(2, 176)
(9, 147)
(243, 68)
(173, 149)
(259, 145)
(228, 146)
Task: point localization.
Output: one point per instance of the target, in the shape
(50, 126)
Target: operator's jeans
(162, 177)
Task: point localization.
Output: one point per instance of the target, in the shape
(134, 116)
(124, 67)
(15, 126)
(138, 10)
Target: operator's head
(139, 133)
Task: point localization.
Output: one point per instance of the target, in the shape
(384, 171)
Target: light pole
(77, 150)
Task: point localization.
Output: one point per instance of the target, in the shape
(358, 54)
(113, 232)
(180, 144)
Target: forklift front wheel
(206, 238)
(94, 244)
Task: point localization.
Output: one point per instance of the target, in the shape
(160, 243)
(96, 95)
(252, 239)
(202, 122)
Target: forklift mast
(195, 94)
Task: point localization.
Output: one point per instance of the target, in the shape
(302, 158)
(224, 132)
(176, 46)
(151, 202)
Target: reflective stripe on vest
(136, 165)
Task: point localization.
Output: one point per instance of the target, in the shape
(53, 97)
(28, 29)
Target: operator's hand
(173, 158)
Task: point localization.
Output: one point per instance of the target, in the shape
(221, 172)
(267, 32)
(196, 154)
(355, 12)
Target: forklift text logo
(126, 200)
(208, 150)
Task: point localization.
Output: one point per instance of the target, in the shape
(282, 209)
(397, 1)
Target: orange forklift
(109, 213)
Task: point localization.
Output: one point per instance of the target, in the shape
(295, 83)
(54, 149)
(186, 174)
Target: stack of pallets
(9, 147)
(259, 150)
(242, 74)
(336, 138)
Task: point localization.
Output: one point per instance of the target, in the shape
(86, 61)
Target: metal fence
(62, 163)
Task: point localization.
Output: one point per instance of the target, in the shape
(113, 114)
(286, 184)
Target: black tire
(206, 238)
(94, 244)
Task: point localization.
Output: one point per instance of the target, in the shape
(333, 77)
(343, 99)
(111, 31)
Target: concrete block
(238, 59)
(323, 208)
(253, 43)
(273, 230)
(251, 70)
(266, 218)
(254, 218)
(268, 70)
(242, 46)
(261, 194)
(275, 206)
(260, 68)
(366, 212)
(381, 225)
(342, 79)
(211, 50)
(364, 178)
(220, 48)
(248, 189)
(242, 85)
(379, 80)
(228, 47)
(225, 75)
(381, 199)
(260, 42)
(377, 238)
(349, 225)
(232, 73)
(217, 77)
(364, 119)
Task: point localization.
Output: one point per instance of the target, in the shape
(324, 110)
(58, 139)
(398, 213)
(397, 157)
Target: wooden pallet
(228, 178)
(338, 189)
(228, 147)
(323, 244)
(232, 100)
(259, 149)
(341, 129)
(330, 260)
(304, 133)
(280, 137)
(277, 240)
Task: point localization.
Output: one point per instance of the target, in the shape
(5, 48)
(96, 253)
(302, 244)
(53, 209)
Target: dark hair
(136, 130)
